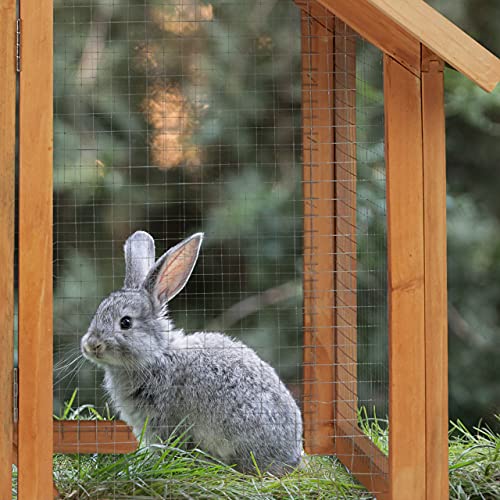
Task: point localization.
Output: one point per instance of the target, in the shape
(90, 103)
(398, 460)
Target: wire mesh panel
(260, 125)
(345, 285)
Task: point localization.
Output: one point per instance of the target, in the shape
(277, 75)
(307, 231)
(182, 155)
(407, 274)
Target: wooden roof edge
(444, 38)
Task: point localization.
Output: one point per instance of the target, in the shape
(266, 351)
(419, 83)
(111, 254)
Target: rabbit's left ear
(139, 258)
(173, 269)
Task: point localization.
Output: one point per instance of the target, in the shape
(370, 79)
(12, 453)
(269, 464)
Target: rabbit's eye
(125, 322)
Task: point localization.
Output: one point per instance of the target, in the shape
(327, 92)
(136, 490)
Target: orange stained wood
(362, 457)
(436, 313)
(318, 182)
(380, 30)
(7, 237)
(407, 434)
(93, 437)
(88, 436)
(345, 347)
(321, 15)
(35, 253)
(442, 37)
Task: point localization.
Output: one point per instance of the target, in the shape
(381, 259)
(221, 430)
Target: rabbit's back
(236, 403)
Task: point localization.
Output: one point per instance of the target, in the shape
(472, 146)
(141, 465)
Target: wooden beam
(89, 436)
(7, 236)
(436, 313)
(381, 31)
(318, 183)
(345, 347)
(405, 208)
(93, 436)
(363, 459)
(442, 37)
(35, 252)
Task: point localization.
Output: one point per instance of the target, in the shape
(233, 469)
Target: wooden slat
(381, 31)
(93, 437)
(442, 37)
(345, 348)
(403, 123)
(7, 237)
(88, 436)
(436, 314)
(363, 459)
(35, 252)
(317, 112)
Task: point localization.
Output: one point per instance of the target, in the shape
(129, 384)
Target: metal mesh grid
(181, 116)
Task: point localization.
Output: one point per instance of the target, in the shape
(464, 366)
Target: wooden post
(436, 313)
(405, 210)
(345, 345)
(7, 236)
(35, 252)
(319, 279)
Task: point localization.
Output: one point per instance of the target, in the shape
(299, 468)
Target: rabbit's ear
(139, 258)
(173, 269)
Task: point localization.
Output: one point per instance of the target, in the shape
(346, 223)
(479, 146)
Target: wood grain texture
(93, 437)
(318, 185)
(363, 459)
(345, 348)
(404, 163)
(380, 30)
(7, 237)
(89, 436)
(443, 38)
(436, 313)
(317, 12)
(35, 253)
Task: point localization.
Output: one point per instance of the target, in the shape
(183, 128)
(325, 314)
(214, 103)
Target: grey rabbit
(233, 404)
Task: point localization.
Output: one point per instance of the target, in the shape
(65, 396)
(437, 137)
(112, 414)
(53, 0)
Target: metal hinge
(18, 45)
(15, 396)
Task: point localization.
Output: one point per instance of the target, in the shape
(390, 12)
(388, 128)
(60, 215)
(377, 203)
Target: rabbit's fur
(233, 404)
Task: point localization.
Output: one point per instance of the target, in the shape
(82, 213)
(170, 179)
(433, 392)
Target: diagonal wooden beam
(443, 38)
(379, 30)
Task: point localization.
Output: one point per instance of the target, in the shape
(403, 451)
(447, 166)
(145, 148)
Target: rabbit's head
(131, 324)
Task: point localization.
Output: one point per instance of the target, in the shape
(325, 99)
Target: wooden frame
(416, 188)
(416, 41)
(330, 350)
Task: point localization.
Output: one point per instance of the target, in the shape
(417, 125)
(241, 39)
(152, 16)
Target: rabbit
(231, 402)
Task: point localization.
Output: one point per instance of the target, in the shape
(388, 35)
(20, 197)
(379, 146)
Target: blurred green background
(176, 117)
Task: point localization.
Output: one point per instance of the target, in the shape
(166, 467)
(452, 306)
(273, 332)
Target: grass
(169, 471)
(474, 463)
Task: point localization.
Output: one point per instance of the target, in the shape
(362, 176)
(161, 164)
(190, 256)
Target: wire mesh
(180, 116)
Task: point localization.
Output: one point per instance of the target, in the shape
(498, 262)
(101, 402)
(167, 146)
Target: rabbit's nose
(93, 347)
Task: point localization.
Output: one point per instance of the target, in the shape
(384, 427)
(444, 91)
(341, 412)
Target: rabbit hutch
(306, 140)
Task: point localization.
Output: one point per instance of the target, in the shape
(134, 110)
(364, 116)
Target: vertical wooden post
(436, 314)
(318, 182)
(35, 252)
(346, 403)
(7, 236)
(405, 210)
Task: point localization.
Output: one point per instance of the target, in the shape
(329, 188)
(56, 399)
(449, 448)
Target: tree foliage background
(180, 116)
